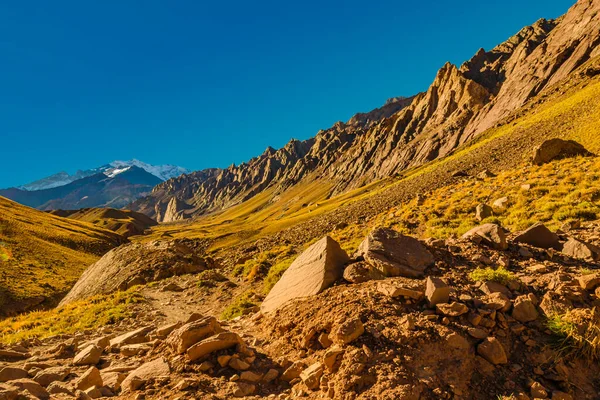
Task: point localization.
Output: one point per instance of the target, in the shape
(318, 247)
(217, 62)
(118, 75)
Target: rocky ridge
(460, 104)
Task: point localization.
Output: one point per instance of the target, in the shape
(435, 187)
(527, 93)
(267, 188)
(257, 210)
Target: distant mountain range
(112, 185)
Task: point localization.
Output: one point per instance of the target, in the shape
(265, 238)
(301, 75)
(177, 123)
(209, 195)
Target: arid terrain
(443, 246)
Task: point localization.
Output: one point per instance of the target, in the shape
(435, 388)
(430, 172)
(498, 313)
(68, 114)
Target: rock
(293, 371)
(491, 235)
(391, 290)
(483, 211)
(90, 378)
(436, 291)
(489, 287)
(113, 380)
(348, 331)
(93, 393)
(12, 373)
(557, 395)
(32, 387)
(46, 376)
(311, 376)
(88, 356)
(524, 309)
(589, 281)
(238, 365)
(501, 203)
(58, 388)
(538, 235)
(330, 357)
(172, 287)
(496, 301)
(394, 254)
(149, 370)
(361, 272)
(242, 389)
(492, 350)
(133, 337)
(477, 333)
(11, 354)
(220, 341)
(454, 309)
(554, 149)
(581, 250)
(538, 391)
(163, 331)
(457, 341)
(317, 268)
(251, 376)
(189, 334)
(271, 375)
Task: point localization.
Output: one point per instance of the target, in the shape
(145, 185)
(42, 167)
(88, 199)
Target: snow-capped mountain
(162, 172)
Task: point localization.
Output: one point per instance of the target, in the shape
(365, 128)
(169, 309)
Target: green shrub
(238, 306)
(500, 275)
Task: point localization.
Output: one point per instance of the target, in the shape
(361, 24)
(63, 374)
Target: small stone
(524, 309)
(251, 376)
(348, 331)
(436, 291)
(483, 211)
(501, 203)
(311, 376)
(293, 371)
(589, 281)
(454, 309)
(12, 373)
(238, 364)
(271, 375)
(90, 378)
(396, 291)
(538, 391)
(477, 333)
(223, 360)
(88, 356)
(492, 350)
(491, 235)
(331, 356)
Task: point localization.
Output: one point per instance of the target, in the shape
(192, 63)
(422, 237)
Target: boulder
(437, 291)
(317, 268)
(88, 356)
(483, 211)
(554, 149)
(133, 337)
(492, 350)
(220, 341)
(90, 378)
(361, 272)
(59, 388)
(588, 281)
(12, 373)
(578, 249)
(348, 331)
(395, 254)
(150, 370)
(189, 334)
(538, 235)
(524, 309)
(491, 235)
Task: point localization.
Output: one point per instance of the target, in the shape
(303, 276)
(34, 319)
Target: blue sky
(206, 84)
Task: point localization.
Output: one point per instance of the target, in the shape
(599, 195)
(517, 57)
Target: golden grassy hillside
(124, 222)
(42, 255)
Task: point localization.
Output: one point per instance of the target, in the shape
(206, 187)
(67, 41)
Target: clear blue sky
(203, 84)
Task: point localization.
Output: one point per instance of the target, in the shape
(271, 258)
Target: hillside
(460, 104)
(41, 255)
(124, 222)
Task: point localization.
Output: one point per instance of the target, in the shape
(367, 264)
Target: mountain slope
(98, 190)
(42, 255)
(460, 104)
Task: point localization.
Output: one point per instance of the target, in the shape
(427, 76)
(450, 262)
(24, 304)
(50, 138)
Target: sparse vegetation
(238, 306)
(578, 332)
(499, 275)
(78, 316)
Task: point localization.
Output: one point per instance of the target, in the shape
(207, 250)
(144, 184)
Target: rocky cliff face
(405, 132)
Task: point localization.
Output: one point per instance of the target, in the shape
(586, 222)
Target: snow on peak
(112, 172)
(163, 172)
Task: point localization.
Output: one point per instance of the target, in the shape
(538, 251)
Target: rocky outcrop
(317, 268)
(136, 264)
(554, 149)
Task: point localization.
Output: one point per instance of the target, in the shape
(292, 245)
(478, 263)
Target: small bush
(500, 275)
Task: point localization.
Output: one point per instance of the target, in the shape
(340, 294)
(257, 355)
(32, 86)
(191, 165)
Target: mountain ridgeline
(460, 104)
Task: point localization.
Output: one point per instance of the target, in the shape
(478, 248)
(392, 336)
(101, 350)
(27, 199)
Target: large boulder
(149, 370)
(538, 235)
(578, 249)
(134, 264)
(317, 268)
(395, 254)
(554, 149)
(491, 235)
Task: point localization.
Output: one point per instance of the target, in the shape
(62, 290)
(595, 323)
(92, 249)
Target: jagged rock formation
(460, 104)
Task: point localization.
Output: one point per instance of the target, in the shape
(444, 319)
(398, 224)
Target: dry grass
(43, 255)
(578, 332)
(78, 316)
